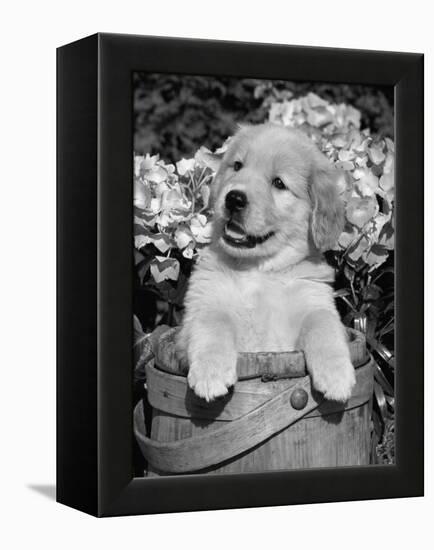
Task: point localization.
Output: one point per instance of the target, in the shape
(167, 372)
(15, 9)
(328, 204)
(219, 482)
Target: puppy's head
(274, 192)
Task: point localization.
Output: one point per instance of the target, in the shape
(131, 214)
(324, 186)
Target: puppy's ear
(328, 208)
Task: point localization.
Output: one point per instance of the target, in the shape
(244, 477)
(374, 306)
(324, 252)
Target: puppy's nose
(235, 201)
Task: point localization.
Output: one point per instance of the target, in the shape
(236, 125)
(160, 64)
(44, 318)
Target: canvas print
(263, 275)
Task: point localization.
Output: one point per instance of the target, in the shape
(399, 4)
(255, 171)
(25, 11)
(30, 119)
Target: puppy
(262, 284)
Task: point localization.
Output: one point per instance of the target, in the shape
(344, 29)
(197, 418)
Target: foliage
(178, 114)
(172, 223)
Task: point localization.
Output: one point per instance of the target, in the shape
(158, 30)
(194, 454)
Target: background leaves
(176, 114)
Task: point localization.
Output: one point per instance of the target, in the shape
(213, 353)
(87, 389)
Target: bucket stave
(272, 420)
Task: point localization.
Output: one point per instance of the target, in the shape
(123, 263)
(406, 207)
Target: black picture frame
(94, 263)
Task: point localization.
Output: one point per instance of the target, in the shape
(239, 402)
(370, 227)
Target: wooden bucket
(272, 420)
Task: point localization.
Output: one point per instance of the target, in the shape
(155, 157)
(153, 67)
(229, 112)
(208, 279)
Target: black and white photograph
(216, 266)
(264, 275)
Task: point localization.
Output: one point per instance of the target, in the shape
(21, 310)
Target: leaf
(205, 157)
(142, 269)
(138, 330)
(387, 237)
(138, 256)
(159, 240)
(349, 273)
(375, 153)
(341, 293)
(355, 251)
(145, 220)
(140, 241)
(162, 242)
(371, 292)
(163, 268)
(348, 236)
(382, 380)
(381, 400)
(376, 256)
(347, 301)
(185, 165)
(384, 271)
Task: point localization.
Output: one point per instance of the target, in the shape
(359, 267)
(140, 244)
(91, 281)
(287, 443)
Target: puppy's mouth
(234, 235)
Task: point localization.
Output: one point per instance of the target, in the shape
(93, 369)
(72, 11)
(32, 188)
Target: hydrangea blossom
(171, 209)
(368, 167)
(171, 202)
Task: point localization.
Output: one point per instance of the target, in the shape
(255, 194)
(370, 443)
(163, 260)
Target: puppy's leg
(212, 355)
(323, 340)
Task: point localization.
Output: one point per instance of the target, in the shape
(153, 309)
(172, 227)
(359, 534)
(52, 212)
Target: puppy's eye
(238, 165)
(278, 183)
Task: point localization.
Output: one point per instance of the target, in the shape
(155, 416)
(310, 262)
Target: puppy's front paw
(210, 379)
(335, 378)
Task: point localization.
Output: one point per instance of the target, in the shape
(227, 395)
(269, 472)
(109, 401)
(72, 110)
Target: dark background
(174, 115)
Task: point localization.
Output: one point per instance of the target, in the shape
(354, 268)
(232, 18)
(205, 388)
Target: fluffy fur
(274, 296)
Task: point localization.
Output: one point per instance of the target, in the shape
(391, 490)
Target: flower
(183, 236)
(142, 194)
(172, 210)
(368, 166)
(159, 240)
(172, 213)
(185, 165)
(201, 228)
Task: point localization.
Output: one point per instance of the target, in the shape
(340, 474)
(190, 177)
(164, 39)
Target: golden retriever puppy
(262, 284)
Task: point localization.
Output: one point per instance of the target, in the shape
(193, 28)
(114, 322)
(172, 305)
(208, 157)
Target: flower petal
(157, 174)
(183, 237)
(368, 183)
(360, 210)
(205, 157)
(185, 165)
(142, 194)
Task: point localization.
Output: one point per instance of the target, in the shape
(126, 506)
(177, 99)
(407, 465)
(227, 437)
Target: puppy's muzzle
(235, 201)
